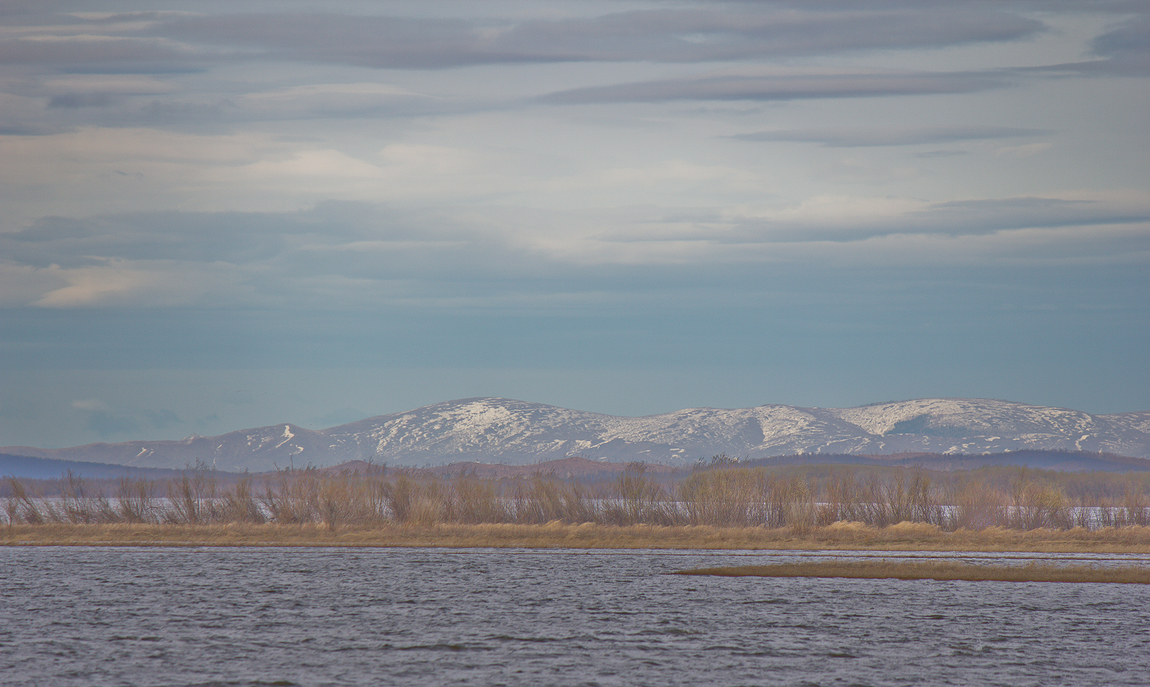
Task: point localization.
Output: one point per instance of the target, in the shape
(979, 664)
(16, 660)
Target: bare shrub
(637, 499)
(1035, 506)
(411, 500)
(726, 497)
(473, 500)
(977, 506)
(22, 506)
(292, 497)
(192, 496)
(400, 497)
(238, 504)
(1136, 508)
(136, 500)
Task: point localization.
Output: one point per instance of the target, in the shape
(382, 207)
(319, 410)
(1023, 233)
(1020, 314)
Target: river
(73, 616)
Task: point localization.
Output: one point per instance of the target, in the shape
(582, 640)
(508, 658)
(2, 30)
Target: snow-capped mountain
(495, 430)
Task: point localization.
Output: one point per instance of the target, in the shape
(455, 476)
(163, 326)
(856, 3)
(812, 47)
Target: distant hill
(28, 467)
(1064, 461)
(502, 431)
(584, 470)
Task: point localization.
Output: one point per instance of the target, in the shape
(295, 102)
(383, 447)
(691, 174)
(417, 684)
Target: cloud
(780, 87)
(24, 284)
(323, 170)
(147, 284)
(100, 419)
(23, 115)
(719, 32)
(766, 31)
(332, 100)
(1129, 38)
(1124, 50)
(854, 137)
(188, 237)
(76, 100)
(1126, 47)
(702, 33)
(135, 101)
(92, 45)
(390, 42)
(354, 255)
(94, 50)
(858, 219)
(1027, 150)
(106, 91)
(99, 169)
(162, 418)
(108, 425)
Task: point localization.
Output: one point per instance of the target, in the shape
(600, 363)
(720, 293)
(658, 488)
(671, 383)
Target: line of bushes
(722, 494)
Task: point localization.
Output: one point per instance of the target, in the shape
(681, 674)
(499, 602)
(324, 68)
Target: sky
(223, 215)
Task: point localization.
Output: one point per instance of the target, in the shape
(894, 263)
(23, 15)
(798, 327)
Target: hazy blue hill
(28, 467)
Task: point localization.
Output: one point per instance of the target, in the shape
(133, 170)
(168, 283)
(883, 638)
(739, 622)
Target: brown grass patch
(555, 534)
(936, 570)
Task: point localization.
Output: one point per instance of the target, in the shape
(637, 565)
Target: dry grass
(937, 570)
(555, 534)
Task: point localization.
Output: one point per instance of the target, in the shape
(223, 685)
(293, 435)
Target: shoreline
(908, 537)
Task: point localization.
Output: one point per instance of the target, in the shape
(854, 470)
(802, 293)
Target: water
(307, 616)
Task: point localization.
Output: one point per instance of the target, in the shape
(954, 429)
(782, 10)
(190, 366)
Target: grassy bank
(847, 536)
(936, 570)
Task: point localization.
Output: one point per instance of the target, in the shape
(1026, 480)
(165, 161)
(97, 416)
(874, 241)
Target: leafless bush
(473, 500)
(637, 499)
(238, 504)
(1034, 506)
(192, 497)
(728, 497)
(135, 501)
(977, 506)
(22, 506)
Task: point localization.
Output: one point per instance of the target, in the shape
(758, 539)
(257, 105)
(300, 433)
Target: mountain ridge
(496, 430)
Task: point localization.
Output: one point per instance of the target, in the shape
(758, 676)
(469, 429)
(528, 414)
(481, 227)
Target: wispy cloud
(1124, 50)
(721, 32)
(353, 253)
(1127, 47)
(781, 87)
(855, 137)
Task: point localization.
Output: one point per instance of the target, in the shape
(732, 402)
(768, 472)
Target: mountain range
(496, 430)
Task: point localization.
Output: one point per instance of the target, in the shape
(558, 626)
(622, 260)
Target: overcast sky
(220, 215)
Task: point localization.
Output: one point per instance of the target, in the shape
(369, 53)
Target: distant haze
(219, 215)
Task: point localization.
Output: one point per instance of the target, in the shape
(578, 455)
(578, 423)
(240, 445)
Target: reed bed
(937, 570)
(723, 496)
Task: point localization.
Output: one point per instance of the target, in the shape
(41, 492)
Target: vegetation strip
(724, 495)
(936, 570)
(906, 537)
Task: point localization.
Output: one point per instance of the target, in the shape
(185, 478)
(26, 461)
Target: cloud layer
(848, 200)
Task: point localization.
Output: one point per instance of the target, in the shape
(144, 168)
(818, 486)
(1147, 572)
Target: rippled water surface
(307, 616)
